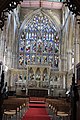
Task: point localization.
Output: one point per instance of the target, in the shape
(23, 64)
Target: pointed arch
(39, 40)
(28, 18)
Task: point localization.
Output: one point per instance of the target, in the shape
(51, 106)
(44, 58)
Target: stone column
(69, 45)
(49, 90)
(22, 75)
(27, 78)
(64, 63)
(60, 63)
(9, 57)
(63, 54)
(1, 46)
(64, 82)
(11, 80)
(69, 59)
(77, 45)
(13, 61)
(41, 81)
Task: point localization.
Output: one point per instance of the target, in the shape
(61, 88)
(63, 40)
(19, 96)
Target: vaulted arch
(53, 18)
(39, 40)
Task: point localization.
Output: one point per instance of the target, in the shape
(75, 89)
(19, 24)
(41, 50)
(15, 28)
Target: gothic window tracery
(39, 42)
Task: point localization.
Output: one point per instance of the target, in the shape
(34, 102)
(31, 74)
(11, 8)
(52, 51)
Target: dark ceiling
(77, 3)
(4, 4)
(8, 5)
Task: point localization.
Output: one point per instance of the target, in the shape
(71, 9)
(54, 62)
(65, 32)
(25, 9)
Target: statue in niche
(25, 77)
(55, 79)
(31, 74)
(20, 77)
(45, 75)
(38, 76)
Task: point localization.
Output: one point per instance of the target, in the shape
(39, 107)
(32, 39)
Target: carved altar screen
(39, 42)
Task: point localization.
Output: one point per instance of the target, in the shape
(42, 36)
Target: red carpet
(37, 105)
(37, 110)
(37, 102)
(36, 114)
(36, 118)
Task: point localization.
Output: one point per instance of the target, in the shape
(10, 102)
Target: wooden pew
(59, 104)
(14, 104)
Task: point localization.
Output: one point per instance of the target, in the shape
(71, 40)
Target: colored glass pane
(39, 42)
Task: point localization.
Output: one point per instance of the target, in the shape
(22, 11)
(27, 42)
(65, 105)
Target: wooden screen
(37, 93)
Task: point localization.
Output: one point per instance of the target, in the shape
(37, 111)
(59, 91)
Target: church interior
(40, 58)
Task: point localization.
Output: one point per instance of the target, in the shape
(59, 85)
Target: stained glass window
(39, 42)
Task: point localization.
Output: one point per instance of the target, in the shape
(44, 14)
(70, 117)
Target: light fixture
(8, 6)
